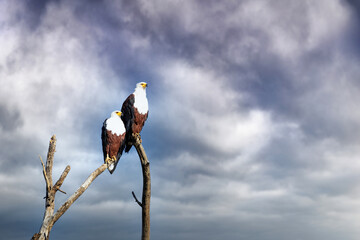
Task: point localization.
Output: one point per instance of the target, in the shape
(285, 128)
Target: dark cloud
(36, 10)
(252, 130)
(10, 118)
(355, 4)
(17, 154)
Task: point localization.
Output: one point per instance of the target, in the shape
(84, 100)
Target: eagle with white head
(113, 140)
(135, 110)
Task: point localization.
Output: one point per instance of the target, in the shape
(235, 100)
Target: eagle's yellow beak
(118, 113)
(144, 85)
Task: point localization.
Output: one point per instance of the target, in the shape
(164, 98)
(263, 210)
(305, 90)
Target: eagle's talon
(107, 160)
(137, 137)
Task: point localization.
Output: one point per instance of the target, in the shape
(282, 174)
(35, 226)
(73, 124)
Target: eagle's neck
(115, 125)
(141, 102)
(140, 91)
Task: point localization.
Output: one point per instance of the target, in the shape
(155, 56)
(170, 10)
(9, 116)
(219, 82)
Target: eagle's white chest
(141, 102)
(115, 125)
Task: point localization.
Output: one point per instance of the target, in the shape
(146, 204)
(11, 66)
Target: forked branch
(78, 193)
(49, 217)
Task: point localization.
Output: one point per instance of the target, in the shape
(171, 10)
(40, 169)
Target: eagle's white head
(116, 113)
(141, 102)
(115, 124)
(141, 85)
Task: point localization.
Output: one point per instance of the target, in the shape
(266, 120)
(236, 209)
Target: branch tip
(61, 191)
(136, 200)
(45, 176)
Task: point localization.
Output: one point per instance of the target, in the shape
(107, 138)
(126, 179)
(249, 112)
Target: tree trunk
(146, 194)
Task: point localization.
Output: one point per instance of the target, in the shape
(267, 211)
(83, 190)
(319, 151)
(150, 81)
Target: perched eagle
(135, 111)
(113, 140)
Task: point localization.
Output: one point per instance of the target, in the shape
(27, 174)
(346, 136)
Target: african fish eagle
(113, 140)
(135, 111)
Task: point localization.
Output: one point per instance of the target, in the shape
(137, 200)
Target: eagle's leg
(108, 159)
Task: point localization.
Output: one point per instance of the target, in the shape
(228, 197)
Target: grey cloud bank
(253, 124)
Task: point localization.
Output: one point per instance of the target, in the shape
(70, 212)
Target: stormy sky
(254, 124)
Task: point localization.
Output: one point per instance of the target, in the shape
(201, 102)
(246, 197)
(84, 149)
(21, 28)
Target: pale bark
(78, 193)
(49, 217)
(146, 194)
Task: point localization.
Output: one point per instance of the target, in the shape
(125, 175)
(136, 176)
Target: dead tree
(50, 217)
(146, 193)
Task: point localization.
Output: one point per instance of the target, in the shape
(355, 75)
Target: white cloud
(205, 109)
(54, 77)
(273, 172)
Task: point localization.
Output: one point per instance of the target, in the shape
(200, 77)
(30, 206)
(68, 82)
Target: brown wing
(105, 144)
(127, 116)
(127, 111)
(136, 126)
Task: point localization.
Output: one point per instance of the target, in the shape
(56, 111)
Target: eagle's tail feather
(127, 148)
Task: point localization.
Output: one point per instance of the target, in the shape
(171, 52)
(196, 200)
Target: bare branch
(45, 176)
(78, 193)
(50, 158)
(61, 179)
(61, 191)
(136, 200)
(49, 217)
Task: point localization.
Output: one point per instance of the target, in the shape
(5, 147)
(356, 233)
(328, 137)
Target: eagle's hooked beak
(144, 85)
(118, 113)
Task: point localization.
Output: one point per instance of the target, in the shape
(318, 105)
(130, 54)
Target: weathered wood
(61, 179)
(45, 176)
(50, 158)
(78, 193)
(49, 217)
(146, 194)
(50, 195)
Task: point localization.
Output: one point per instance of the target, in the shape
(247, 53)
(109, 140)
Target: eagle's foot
(108, 160)
(137, 137)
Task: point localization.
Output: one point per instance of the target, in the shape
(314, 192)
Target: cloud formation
(252, 132)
